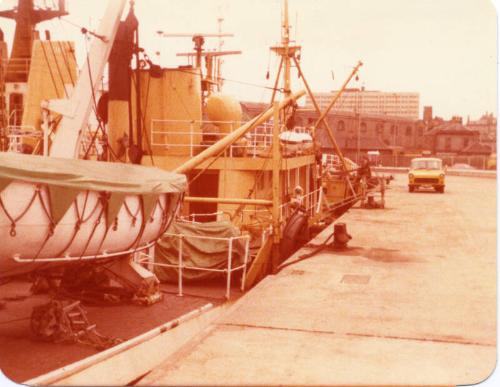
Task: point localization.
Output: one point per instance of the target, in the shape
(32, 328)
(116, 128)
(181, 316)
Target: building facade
(487, 128)
(398, 139)
(370, 102)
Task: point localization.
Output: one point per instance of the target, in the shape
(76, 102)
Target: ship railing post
(229, 263)
(320, 198)
(245, 260)
(181, 264)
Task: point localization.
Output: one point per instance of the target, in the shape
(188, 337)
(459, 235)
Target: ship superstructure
(266, 176)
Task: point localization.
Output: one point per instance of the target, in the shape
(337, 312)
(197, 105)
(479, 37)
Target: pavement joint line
(367, 335)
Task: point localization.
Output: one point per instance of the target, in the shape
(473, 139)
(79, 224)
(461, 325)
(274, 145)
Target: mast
(26, 18)
(212, 78)
(289, 53)
(286, 52)
(285, 38)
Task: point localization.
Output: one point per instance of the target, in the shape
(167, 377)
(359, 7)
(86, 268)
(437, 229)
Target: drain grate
(355, 279)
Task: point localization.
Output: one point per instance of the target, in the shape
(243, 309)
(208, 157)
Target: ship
(159, 177)
(264, 178)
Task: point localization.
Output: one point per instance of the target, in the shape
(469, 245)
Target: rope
(143, 116)
(96, 224)
(94, 107)
(13, 220)
(308, 255)
(14, 320)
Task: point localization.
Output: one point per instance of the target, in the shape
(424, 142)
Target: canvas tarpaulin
(198, 252)
(89, 175)
(66, 178)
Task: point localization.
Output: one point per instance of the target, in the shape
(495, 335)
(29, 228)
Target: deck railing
(187, 134)
(16, 134)
(181, 266)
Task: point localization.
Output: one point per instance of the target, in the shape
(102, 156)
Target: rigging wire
(94, 104)
(84, 30)
(235, 81)
(143, 115)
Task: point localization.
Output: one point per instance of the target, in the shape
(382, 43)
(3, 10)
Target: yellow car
(426, 172)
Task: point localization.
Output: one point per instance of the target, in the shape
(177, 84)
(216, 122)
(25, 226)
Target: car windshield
(426, 164)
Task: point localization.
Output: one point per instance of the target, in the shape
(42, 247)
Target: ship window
(363, 127)
(380, 129)
(408, 131)
(341, 126)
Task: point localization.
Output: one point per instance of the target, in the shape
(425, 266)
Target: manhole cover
(356, 279)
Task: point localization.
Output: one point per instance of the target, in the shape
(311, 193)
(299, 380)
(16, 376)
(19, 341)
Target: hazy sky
(444, 49)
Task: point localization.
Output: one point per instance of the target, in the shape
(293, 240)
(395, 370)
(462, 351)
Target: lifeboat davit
(55, 210)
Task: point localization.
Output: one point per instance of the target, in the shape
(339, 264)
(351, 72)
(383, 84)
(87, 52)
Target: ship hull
(31, 241)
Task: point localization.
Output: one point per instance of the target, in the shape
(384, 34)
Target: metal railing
(255, 143)
(180, 266)
(311, 202)
(17, 133)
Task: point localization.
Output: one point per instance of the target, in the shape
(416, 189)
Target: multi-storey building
(370, 102)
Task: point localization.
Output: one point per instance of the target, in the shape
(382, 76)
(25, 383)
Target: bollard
(340, 236)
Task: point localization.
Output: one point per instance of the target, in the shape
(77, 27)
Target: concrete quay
(412, 301)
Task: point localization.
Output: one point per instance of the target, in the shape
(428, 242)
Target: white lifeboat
(55, 210)
(294, 143)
